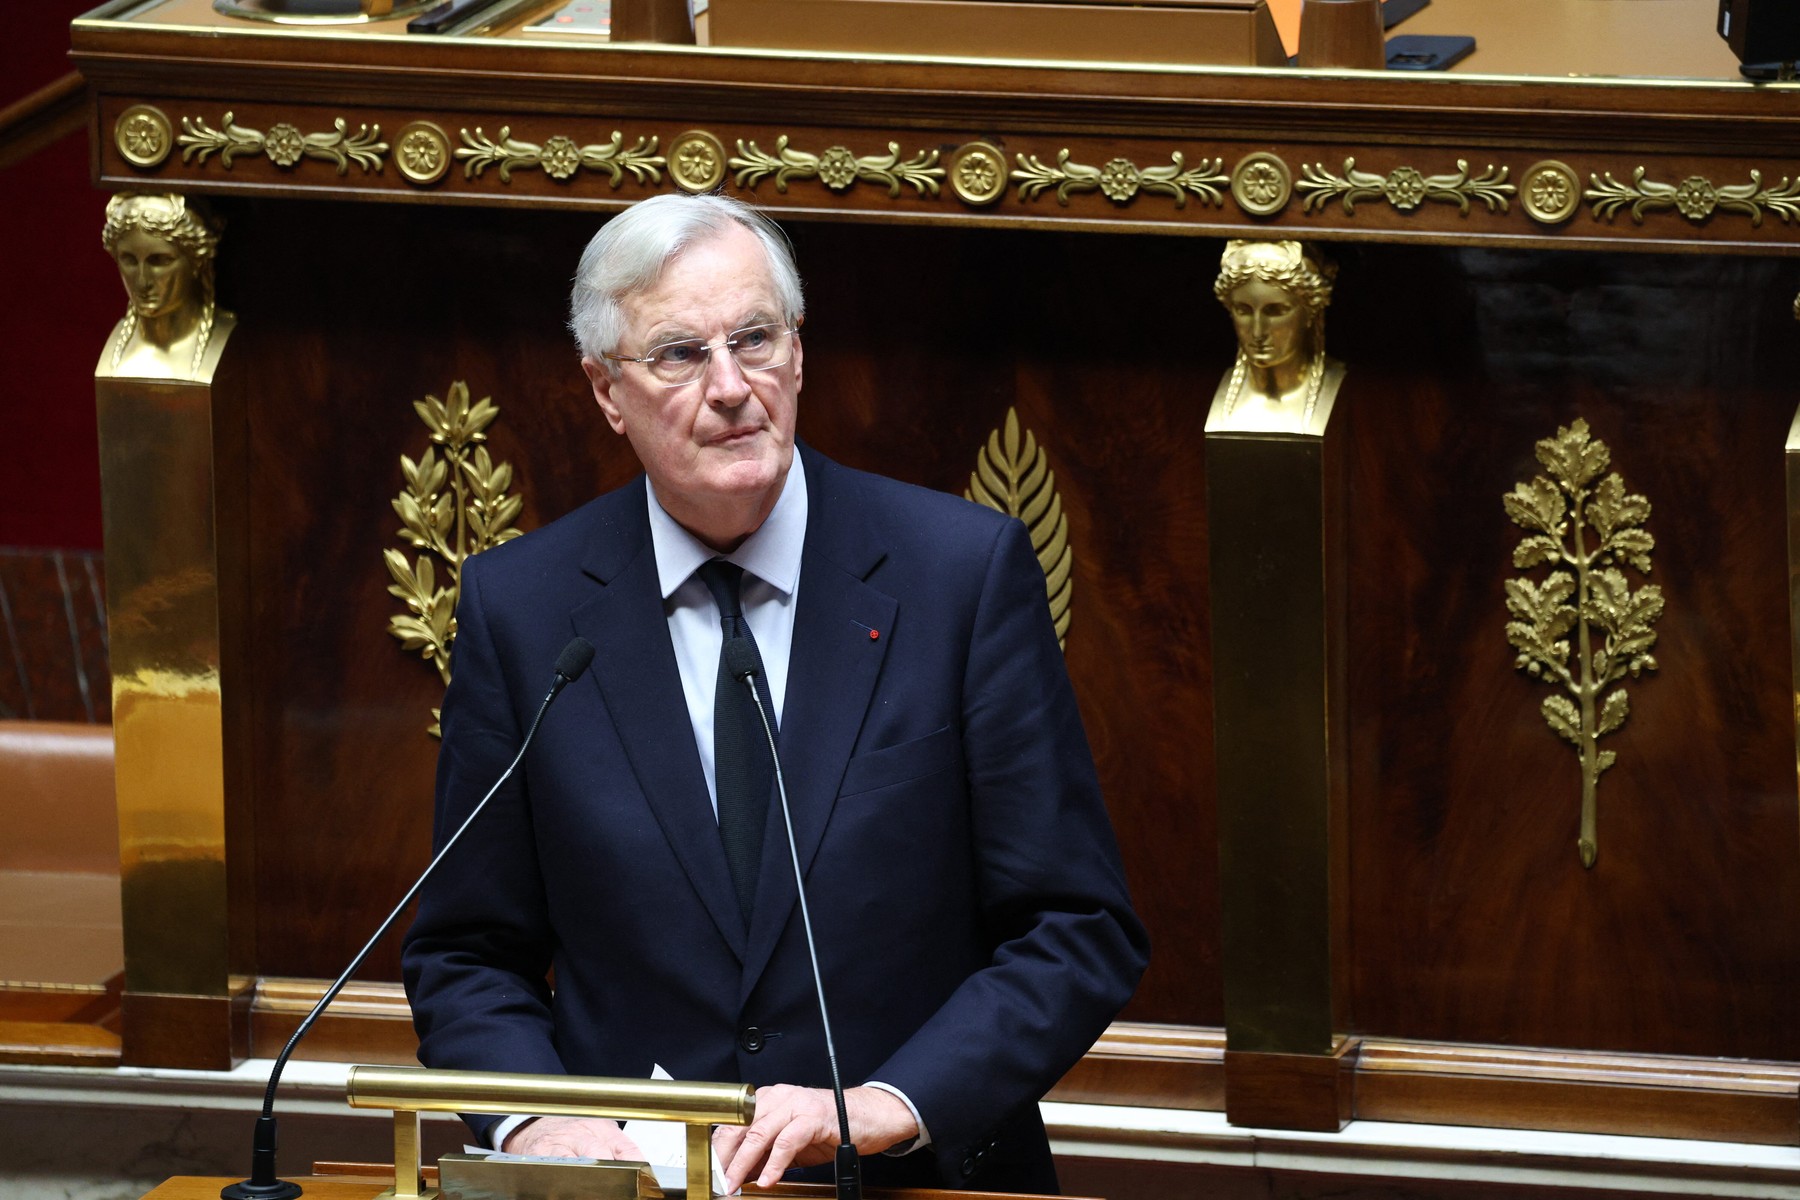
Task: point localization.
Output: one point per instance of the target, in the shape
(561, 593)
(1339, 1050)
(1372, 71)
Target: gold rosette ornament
(453, 508)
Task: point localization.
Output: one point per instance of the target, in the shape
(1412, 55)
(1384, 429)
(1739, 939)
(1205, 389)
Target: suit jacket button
(751, 1039)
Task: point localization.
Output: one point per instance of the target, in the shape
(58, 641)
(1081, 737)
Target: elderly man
(974, 931)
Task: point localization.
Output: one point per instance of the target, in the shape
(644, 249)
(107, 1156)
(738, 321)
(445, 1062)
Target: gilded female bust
(164, 248)
(1282, 381)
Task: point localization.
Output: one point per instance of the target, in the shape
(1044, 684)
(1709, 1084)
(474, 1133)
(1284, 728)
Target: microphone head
(575, 658)
(740, 658)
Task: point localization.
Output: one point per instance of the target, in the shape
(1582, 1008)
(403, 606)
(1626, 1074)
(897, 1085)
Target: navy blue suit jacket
(972, 920)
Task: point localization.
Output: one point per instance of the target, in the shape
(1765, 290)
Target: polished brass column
(1793, 554)
(171, 475)
(1275, 496)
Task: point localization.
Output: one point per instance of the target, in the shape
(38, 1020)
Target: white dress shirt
(771, 561)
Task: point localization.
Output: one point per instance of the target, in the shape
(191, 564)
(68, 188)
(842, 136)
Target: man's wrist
(506, 1128)
(921, 1138)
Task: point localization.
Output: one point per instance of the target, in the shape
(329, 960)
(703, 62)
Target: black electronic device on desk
(1764, 34)
(1427, 52)
(1395, 11)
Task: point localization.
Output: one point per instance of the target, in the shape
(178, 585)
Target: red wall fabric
(59, 303)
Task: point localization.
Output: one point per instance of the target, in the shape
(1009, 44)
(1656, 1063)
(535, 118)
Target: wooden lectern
(1000, 242)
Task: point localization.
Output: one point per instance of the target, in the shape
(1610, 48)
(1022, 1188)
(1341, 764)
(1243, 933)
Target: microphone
(741, 660)
(263, 1183)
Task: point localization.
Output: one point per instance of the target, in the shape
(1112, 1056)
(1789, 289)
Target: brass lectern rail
(409, 1091)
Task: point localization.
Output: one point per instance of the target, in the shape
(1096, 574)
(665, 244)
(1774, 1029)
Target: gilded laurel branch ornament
(1404, 187)
(837, 168)
(1012, 475)
(284, 144)
(1695, 197)
(559, 157)
(453, 508)
(1584, 531)
(1119, 180)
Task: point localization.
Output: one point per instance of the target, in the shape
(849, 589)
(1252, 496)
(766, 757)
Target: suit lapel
(832, 668)
(634, 668)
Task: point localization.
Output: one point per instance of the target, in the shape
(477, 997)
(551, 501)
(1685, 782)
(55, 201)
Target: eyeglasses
(753, 348)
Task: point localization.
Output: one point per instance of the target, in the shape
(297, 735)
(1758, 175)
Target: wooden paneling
(53, 660)
(914, 357)
(1472, 916)
(1473, 919)
(1160, 1066)
(1650, 1095)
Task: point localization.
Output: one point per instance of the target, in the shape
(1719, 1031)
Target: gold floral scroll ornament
(559, 157)
(453, 507)
(1695, 197)
(1404, 187)
(837, 167)
(1120, 179)
(1015, 478)
(284, 144)
(1584, 532)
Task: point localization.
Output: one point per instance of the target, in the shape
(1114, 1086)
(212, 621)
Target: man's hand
(797, 1127)
(573, 1137)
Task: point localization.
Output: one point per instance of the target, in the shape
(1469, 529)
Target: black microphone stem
(263, 1183)
(848, 1172)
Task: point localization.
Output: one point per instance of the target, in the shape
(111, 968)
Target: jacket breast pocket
(939, 750)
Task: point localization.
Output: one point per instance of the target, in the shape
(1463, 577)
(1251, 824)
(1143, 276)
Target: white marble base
(71, 1133)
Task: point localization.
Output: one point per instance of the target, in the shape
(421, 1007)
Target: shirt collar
(772, 553)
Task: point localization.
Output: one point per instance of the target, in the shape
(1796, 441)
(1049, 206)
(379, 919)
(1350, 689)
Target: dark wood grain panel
(1473, 918)
(915, 355)
(53, 663)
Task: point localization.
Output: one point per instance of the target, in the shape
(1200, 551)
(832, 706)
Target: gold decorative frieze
(1120, 179)
(1695, 198)
(1404, 187)
(453, 508)
(284, 144)
(978, 173)
(837, 168)
(1550, 192)
(144, 136)
(422, 152)
(697, 161)
(1012, 475)
(559, 157)
(1585, 532)
(1261, 184)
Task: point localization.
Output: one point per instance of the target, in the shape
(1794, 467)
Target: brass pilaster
(170, 455)
(1793, 555)
(1275, 527)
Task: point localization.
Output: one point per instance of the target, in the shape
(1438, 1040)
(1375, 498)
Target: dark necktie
(743, 770)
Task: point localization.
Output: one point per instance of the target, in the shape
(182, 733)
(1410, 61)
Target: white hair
(631, 251)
